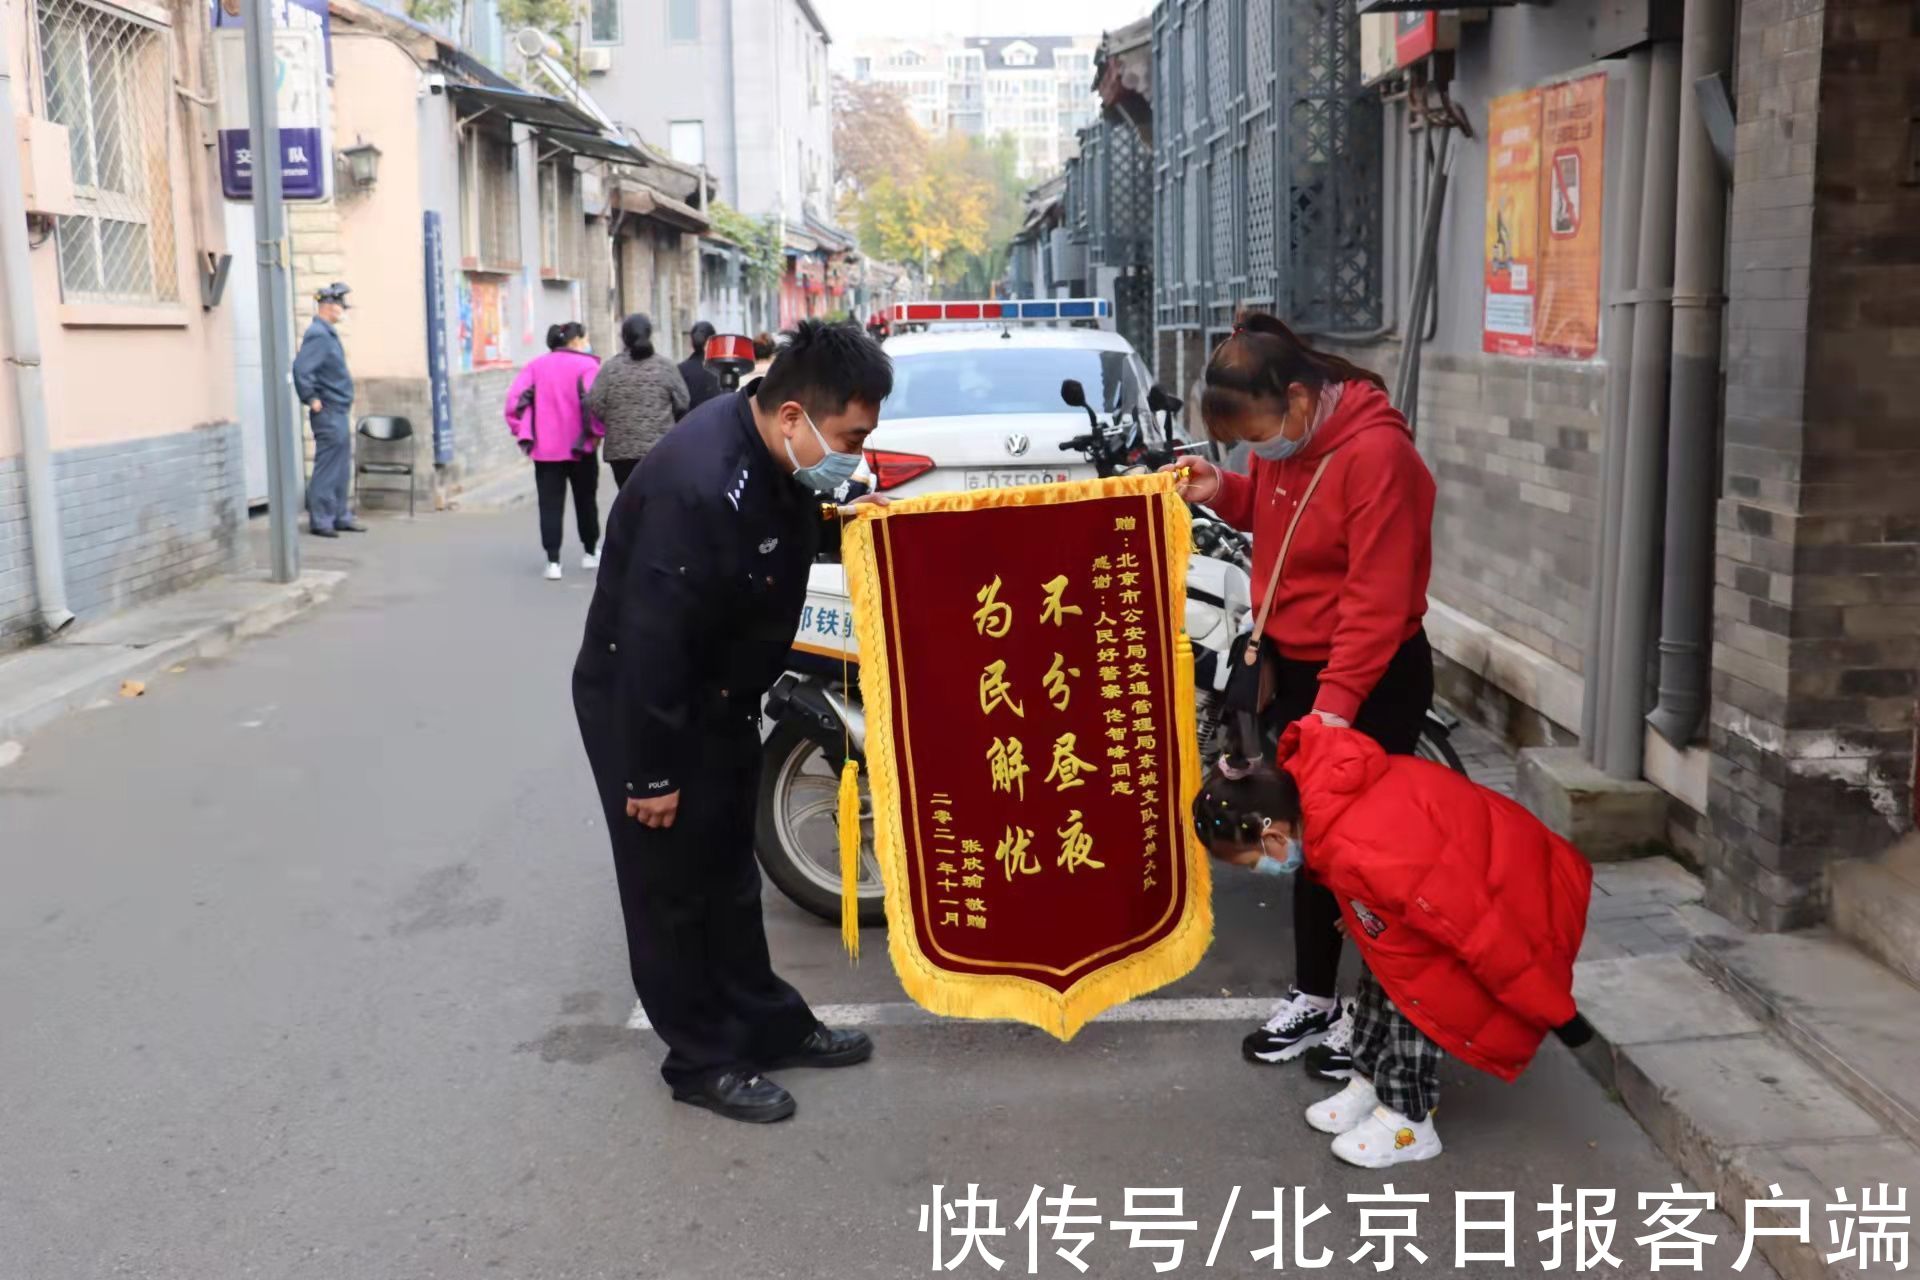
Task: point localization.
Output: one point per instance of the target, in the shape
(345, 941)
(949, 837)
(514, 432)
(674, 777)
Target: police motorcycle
(813, 712)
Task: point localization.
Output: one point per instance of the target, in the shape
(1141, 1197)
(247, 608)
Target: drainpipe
(1699, 281)
(1407, 384)
(23, 329)
(1646, 440)
(1621, 254)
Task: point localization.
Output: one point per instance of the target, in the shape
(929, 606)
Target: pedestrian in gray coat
(320, 377)
(638, 395)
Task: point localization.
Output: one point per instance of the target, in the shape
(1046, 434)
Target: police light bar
(1049, 309)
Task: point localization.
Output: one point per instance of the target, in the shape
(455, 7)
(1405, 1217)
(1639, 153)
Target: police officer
(320, 377)
(701, 582)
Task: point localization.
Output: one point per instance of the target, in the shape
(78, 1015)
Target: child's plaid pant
(1393, 1053)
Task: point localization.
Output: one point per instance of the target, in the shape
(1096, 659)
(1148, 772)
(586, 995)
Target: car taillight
(891, 470)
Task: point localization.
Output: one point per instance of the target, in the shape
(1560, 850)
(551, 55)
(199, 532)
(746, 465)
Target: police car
(976, 393)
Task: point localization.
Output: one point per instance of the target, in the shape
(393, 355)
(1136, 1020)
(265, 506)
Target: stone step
(1876, 906)
(1853, 1020)
(1729, 1102)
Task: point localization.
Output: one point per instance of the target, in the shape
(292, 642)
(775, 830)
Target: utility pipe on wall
(1621, 256)
(1699, 283)
(23, 332)
(1621, 253)
(1646, 440)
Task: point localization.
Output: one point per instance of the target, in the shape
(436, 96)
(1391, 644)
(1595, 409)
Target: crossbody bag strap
(1252, 653)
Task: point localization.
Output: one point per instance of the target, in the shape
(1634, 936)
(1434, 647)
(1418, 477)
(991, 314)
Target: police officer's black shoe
(739, 1095)
(827, 1047)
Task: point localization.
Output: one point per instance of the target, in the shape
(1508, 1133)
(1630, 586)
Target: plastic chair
(387, 430)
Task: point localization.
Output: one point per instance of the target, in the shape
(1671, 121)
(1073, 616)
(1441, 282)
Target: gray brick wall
(482, 445)
(1817, 602)
(137, 519)
(1514, 446)
(16, 559)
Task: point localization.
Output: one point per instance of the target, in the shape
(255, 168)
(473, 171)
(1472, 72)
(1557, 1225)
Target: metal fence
(1109, 210)
(1267, 183)
(106, 76)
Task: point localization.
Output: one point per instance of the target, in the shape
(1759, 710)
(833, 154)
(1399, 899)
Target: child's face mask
(1291, 858)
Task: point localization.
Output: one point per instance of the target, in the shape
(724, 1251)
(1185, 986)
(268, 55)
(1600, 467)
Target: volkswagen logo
(1018, 445)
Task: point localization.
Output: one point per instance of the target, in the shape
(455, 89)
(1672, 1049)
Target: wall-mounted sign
(301, 62)
(439, 387)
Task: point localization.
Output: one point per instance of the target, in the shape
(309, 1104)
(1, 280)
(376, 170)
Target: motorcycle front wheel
(797, 831)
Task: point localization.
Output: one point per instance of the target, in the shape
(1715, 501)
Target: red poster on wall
(1573, 144)
(1513, 221)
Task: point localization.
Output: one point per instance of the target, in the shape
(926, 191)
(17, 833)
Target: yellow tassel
(850, 857)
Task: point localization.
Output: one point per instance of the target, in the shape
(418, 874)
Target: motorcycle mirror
(1073, 393)
(1160, 402)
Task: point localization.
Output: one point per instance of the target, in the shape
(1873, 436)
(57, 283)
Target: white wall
(746, 79)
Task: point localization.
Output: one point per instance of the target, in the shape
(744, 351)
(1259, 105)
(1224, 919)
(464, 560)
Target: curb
(1734, 1106)
(76, 690)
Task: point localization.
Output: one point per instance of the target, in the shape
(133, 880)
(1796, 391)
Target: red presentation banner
(1031, 745)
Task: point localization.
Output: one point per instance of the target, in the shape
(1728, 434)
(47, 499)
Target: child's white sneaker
(1345, 1110)
(1388, 1138)
(553, 571)
(591, 560)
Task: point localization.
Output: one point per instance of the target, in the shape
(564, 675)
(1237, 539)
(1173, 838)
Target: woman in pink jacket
(547, 412)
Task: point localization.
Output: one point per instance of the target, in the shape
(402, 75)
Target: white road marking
(901, 1013)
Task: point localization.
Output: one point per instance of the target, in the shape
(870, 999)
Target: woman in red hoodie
(1468, 912)
(1336, 484)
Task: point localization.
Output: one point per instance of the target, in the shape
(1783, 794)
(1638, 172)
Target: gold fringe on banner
(963, 995)
(850, 857)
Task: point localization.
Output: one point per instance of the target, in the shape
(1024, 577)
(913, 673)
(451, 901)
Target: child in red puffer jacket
(1467, 911)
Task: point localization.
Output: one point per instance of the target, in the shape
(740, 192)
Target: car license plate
(1008, 478)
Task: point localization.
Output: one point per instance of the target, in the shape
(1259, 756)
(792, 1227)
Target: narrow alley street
(311, 966)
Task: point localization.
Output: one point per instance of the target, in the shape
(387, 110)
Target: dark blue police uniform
(702, 578)
(320, 373)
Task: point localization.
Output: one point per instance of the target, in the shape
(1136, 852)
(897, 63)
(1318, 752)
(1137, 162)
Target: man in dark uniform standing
(702, 579)
(320, 377)
(702, 386)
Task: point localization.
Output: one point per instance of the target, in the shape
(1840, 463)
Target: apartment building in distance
(1037, 90)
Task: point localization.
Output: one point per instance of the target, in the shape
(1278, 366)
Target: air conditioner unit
(596, 60)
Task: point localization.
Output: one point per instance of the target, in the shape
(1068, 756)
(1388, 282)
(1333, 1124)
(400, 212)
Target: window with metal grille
(489, 203)
(1267, 165)
(105, 75)
(562, 220)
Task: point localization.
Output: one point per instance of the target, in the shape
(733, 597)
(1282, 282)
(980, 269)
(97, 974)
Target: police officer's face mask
(829, 475)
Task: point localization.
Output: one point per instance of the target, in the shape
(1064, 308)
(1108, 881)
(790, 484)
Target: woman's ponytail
(1285, 348)
(1259, 361)
(636, 335)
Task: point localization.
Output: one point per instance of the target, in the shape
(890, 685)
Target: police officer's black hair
(1230, 812)
(825, 366)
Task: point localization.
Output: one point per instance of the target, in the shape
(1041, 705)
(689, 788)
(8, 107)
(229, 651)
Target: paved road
(310, 966)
